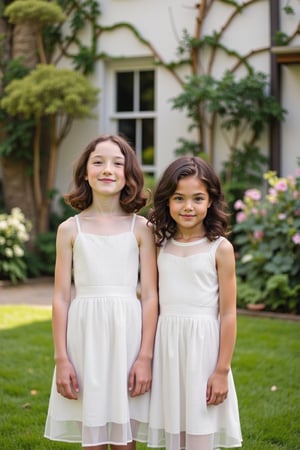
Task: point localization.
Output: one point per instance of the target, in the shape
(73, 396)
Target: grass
(266, 369)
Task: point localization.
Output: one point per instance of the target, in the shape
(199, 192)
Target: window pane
(148, 141)
(147, 90)
(127, 130)
(124, 91)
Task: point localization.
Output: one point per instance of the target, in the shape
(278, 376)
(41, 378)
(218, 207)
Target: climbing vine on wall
(198, 51)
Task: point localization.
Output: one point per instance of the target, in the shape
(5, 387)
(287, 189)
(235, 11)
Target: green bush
(149, 187)
(14, 232)
(246, 293)
(46, 242)
(267, 242)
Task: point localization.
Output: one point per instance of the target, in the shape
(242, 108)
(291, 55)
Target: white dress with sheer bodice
(103, 341)
(186, 352)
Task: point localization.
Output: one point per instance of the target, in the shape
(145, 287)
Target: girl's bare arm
(66, 380)
(141, 373)
(217, 388)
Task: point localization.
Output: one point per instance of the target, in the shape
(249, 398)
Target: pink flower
(239, 204)
(258, 235)
(295, 195)
(296, 238)
(272, 196)
(263, 212)
(281, 185)
(297, 212)
(241, 217)
(292, 181)
(253, 194)
(298, 172)
(281, 216)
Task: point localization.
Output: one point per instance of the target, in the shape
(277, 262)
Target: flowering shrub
(267, 240)
(14, 232)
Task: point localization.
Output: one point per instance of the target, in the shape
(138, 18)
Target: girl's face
(105, 169)
(189, 204)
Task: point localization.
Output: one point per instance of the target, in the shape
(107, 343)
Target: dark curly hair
(132, 197)
(216, 220)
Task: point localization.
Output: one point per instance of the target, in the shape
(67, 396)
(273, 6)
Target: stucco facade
(161, 23)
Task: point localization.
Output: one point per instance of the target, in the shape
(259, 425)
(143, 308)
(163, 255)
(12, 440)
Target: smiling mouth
(107, 180)
(187, 216)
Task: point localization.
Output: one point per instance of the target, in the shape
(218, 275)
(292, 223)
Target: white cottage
(136, 91)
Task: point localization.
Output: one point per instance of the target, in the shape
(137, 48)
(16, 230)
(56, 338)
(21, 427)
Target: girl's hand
(66, 380)
(140, 377)
(217, 388)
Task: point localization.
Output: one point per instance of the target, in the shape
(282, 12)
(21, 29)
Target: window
(135, 113)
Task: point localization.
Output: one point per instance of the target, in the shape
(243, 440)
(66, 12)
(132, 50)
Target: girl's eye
(177, 198)
(119, 164)
(198, 199)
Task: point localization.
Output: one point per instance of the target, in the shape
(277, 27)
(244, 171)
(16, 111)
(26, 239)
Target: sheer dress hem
(159, 438)
(112, 433)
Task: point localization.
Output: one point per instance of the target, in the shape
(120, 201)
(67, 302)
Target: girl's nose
(188, 205)
(107, 167)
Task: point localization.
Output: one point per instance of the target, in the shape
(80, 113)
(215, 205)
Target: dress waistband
(188, 310)
(104, 291)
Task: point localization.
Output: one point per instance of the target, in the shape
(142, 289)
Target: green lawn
(266, 369)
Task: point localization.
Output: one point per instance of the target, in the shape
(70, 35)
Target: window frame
(136, 67)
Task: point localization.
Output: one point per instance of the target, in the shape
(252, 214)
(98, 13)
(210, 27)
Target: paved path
(33, 292)
(39, 292)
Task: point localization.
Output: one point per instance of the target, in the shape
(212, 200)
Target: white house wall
(290, 139)
(290, 98)
(162, 22)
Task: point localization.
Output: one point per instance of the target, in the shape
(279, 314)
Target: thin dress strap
(133, 222)
(77, 222)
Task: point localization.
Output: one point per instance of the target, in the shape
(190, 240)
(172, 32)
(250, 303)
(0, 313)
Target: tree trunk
(50, 177)
(24, 44)
(16, 175)
(5, 31)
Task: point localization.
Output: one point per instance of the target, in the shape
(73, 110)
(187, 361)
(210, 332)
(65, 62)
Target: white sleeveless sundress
(186, 352)
(103, 341)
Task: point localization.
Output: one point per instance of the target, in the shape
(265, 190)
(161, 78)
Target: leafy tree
(60, 95)
(242, 105)
(32, 136)
(39, 14)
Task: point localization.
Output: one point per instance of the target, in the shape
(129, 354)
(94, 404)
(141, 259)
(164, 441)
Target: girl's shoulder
(222, 241)
(70, 222)
(66, 232)
(224, 248)
(140, 220)
(142, 223)
(68, 226)
(143, 228)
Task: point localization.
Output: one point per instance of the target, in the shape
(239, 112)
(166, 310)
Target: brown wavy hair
(132, 197)
(216, 220)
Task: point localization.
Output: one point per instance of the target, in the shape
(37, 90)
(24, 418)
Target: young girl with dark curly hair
(193, 400)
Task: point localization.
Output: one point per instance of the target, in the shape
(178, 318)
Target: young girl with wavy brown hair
(103, 336)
